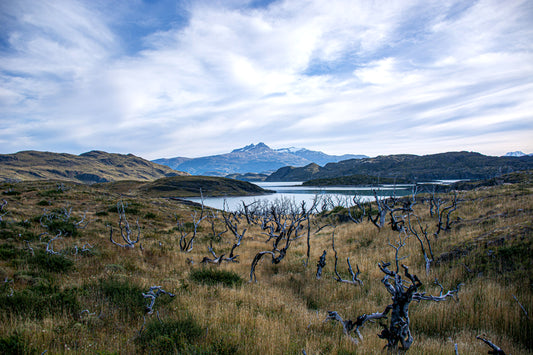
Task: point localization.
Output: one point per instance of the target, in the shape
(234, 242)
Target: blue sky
(193, 78)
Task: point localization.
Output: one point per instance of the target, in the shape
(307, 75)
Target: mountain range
(91, 167)
(253, 158)
(451, 165)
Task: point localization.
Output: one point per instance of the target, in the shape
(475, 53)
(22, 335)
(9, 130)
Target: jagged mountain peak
(253, 148)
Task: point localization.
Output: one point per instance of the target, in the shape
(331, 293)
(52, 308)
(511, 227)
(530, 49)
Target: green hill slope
(90, 167)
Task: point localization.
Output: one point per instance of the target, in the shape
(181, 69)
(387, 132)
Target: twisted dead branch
(152, 294)
(61, 220)
(320, 265)
(355, 280)
(125, 230)
(397, 332)
(521, 306)
(49, 246)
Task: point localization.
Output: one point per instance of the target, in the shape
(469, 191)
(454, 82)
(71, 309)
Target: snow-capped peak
(289, 150)
(515, 154)
(252, 147)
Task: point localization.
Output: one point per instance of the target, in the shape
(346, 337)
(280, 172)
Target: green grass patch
(170, 336)
(40, 301)
(122, 294)
(55, 263)
(15, 344)
(210, 276)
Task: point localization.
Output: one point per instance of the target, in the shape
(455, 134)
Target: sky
(163, 79)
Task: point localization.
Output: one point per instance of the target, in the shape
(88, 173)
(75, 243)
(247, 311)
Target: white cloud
(351, 73)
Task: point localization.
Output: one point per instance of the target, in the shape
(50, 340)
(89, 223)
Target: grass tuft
(170, 336)
(211, 276)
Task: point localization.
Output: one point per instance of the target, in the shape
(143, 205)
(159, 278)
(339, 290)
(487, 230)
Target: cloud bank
(165, 79)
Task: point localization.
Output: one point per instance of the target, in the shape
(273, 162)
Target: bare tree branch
(321, 263)
(495, 349)
(125, 230)
(152, 294)
(521, 306)
(50, 248)
(354, 280)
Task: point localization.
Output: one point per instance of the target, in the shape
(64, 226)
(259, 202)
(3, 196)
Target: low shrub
(15, 344)
(40, 301)
(44, 203)
(210, 276)
(122, 294)
(9, 230)
(55, 263)
(10, 251)
(66, 228)
(51, 192)
(170, 336)
(150, 215)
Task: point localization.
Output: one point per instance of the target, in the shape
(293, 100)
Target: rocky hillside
(90, 167)
(451, 165)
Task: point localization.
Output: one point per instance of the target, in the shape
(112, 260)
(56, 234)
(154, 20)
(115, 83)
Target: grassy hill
(451, 165)
(90, 167)
(188, 186)
(85, 294)
(183, 186)
(354, 180)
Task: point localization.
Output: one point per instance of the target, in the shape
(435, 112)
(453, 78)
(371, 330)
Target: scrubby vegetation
(67, 288)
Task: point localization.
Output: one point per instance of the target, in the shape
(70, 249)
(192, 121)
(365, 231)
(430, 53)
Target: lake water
(294, 191)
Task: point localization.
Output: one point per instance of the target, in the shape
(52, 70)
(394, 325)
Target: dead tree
(152, 294)
(355, 280)
(357, 211)
(251, 212)
(284, 224)
(496, 350)
(383, 209)
(219, 259)
(125, 230)
(421, 234)
(434, 204)
(50, 248)
(348, 325)
(445, 213)
(232, 225)
(442, 214)
(397, 332)
(320, 265)
(61, 220)
(212, 218)
(185, 244)
(307, 213)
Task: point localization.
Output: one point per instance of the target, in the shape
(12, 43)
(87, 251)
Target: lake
(294, 191)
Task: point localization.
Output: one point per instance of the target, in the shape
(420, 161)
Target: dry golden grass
(488, 250)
